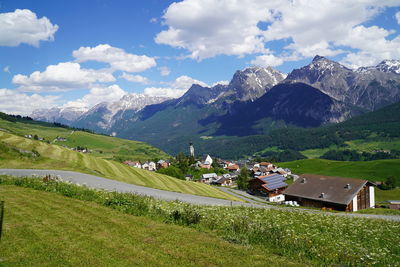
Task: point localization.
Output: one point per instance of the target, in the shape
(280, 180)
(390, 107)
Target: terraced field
(101, 145)
(60, 158)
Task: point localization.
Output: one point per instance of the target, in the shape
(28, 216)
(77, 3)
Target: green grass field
(46, 229)
(367, 145)
(101, 145)
(60, 158)
(377, 170)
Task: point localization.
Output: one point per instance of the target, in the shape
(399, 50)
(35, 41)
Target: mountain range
(256, 101)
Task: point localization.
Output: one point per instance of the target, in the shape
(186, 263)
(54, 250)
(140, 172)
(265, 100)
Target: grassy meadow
(16, 152)
(101, 145)
(270, 236)
(46, 229)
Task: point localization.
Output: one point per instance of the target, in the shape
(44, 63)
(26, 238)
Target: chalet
(233, 168)
(61, 139)
(269, 185)
(28, 136)
(223, 181)
(135, 164)
(150, 166)
(266, 164)
(162, 164)
(337, 193)
(208, 178)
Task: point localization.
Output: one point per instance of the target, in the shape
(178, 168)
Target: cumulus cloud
(116, 57)
(398, 17)
(61, 77)
(207, 28)
(135, 78)
(164, 71)
(98, 94)
(23, 26)
(13, 102)
(267, 60)
(175, 89)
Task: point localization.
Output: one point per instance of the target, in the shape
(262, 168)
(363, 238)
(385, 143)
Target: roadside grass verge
(303, 237)
(380, 211)
(59, 158)
(47, 229)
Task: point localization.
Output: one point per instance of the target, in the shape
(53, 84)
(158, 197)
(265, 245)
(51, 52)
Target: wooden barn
(337, 193)
(269, 185)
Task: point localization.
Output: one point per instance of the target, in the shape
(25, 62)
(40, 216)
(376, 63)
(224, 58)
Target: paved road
(112, 185)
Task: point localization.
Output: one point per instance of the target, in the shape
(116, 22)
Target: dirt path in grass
(112, 185)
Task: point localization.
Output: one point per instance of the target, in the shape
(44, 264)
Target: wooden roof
(338, 190)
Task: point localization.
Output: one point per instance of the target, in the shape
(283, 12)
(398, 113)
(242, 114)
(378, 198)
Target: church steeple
(191, 149)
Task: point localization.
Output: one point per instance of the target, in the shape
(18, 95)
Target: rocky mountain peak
(253, 82)
(389, 66)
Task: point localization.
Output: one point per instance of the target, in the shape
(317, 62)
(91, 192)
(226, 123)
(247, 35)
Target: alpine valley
(256, 102)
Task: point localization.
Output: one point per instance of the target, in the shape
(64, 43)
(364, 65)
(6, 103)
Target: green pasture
(46, 229)
(60, 158)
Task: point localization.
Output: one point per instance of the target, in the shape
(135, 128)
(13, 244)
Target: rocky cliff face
(62, 115)
(368, 87)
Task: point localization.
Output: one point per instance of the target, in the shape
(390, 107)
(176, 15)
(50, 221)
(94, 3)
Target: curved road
(112, 185)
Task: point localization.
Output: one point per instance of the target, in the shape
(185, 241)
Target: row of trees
(354, 155)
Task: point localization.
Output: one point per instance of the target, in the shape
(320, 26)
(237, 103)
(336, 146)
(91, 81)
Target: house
(223, 181)
(135, 164)
(162, 164)
(188, 177)
(150, 166)
(208, 178)
(337, 193)
(233, 168)
(208, 160)
(270, 185)
(61, 139)
(394, 204)
(266, 164)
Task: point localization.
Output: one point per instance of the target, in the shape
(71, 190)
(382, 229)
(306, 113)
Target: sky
(73, 53)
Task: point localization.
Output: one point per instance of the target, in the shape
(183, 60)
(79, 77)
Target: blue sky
(78, 53)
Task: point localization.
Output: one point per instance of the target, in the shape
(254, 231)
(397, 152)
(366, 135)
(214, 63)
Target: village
(269, 182)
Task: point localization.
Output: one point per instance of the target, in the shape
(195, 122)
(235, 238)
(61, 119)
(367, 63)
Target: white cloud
(207, 28)
(61, 77)
(221, 83)
(135, 78)
(116, 57)
(13, 102)
(98, 94)
(164, 71)
(23, 26)
(267, 60)
(153, 20)
(398, 17)
(372, 45)
(210, 27)
(6, 69)
(175, 89)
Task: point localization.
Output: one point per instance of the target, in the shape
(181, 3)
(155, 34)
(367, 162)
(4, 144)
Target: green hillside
(101, 145)
(46, 229)
(20, 152)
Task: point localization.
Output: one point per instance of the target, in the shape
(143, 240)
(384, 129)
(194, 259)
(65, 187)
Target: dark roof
(335, 189)
(272, 182)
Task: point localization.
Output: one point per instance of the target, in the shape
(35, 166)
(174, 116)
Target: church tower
(191, 149)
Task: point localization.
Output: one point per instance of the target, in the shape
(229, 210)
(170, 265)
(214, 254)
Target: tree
(390, 183)
(243, 179)
(35, 137)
